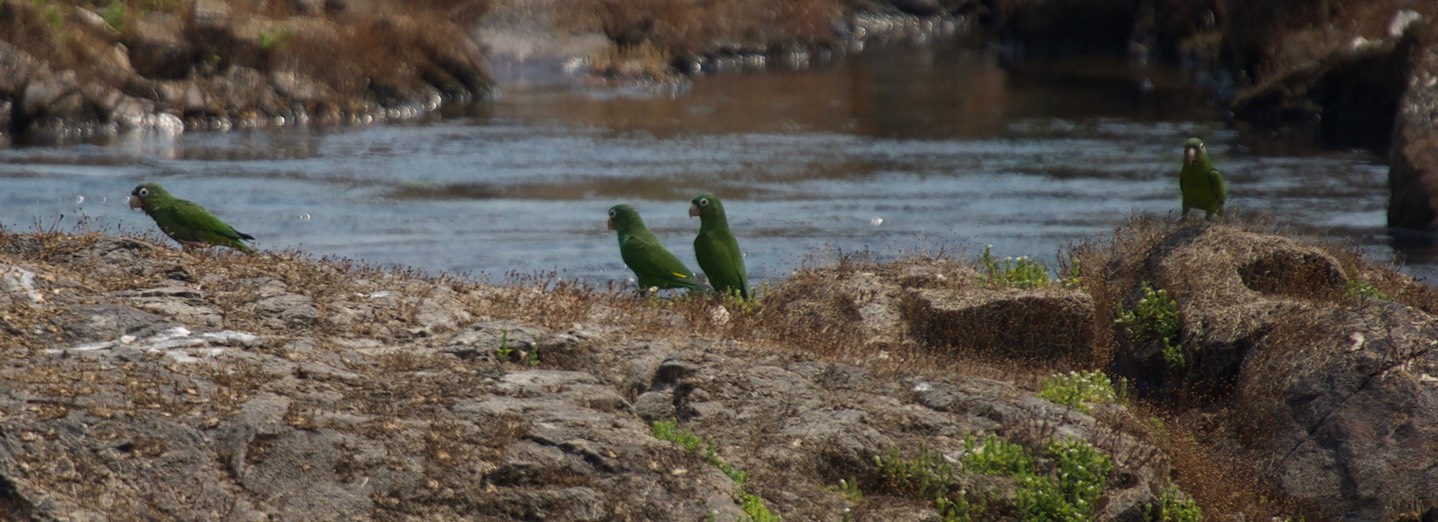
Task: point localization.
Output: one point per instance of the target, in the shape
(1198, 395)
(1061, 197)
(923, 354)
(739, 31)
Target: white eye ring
(612, 213)
(704, 202)
(144, 192)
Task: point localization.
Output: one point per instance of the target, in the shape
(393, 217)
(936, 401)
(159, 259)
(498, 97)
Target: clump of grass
(1174, 506)
(1078, 390)
(1015, 272)
(752, 504)
(1155, 316)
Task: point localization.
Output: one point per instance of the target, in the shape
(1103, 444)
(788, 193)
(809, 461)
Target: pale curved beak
(693, 210)
(611, 223)
(1190, 155)
(134, 201)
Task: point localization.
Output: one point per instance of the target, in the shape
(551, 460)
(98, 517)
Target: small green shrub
(1356, 288)
(1174, 506)
(739, 305)
(995, 456)
(1155, 316)
(1078, 390)
(928, 475)
(1173, 355)
(504, 351)
(1070, 495)
(669, 431)
(850, 490)
(1016, 272)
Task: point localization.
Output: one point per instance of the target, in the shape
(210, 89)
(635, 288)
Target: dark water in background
(891, 150)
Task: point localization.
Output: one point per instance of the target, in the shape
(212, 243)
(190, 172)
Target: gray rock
(1413, 158)
(16, 69)
(1339, 405)
(158, 48)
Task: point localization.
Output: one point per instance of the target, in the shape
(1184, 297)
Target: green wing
(654, 265)
(720, 259)
(1215, 183)
(188, 222)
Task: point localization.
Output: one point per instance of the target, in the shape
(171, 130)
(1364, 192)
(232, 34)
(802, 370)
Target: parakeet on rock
(653, 265)
(1201, 184)
(186, 221)
(715, 248)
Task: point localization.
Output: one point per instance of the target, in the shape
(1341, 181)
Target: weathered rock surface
(1334, 396)
(210, 64)
(144, 381)
(264, 387)
(1413, 171)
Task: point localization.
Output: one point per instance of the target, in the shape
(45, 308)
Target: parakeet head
(623, 216)
(146, 194)
(1193, 149)
(706, 207)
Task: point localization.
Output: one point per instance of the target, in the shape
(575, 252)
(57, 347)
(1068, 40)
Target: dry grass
(814, 315)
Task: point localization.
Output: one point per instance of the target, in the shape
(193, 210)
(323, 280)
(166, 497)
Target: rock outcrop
(71, 71)
(151, 382)
(1316, 375)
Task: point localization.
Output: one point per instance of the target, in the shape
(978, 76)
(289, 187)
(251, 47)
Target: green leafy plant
(1016, 272)
(504, 351)
(1070, 495)
(1155, 316)
(850, 489)
(928, 475)
(1174, 506)
(533, 356)
(1355, 287)
(1078, 390)
(739, 305)
(995, 456)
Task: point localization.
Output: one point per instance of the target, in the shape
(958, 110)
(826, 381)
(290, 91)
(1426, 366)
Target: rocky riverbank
(1291, 379)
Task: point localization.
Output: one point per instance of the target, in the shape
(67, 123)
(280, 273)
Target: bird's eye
(612, 213)
(143, 192)
(704, 202)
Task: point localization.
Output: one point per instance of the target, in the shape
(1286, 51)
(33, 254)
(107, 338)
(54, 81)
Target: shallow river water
(893, 151)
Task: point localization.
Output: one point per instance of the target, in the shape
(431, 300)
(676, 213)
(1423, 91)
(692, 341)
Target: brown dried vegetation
(832, 313)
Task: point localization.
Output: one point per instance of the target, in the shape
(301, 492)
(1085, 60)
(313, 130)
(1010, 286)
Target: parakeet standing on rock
(1201, 184)
(715, 248)
(185, 221)
(653, 265)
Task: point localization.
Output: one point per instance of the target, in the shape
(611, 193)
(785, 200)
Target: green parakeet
(1201, 184)
(653, 265)
(186, 221)
(715, 248)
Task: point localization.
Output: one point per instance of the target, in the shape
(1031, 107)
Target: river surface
(893, 151)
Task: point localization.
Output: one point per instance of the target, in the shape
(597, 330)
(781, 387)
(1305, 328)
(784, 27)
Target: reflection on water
(893, 151)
